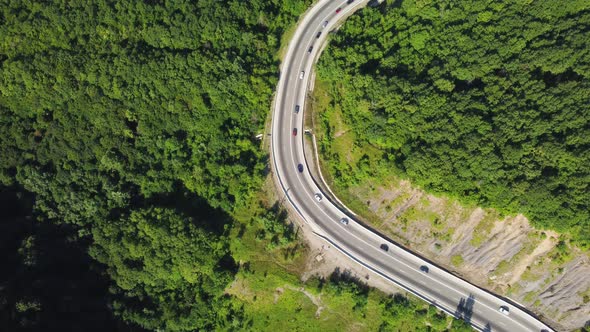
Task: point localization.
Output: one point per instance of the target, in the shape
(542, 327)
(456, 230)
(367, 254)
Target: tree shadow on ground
(48, 282)
(465, 308)
(189, 204)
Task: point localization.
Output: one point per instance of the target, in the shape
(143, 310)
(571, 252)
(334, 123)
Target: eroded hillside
(505, 254)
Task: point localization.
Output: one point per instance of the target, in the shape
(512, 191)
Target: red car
(294, 131)
(338, 10)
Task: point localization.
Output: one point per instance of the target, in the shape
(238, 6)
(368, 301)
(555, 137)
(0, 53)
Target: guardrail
(315, 228)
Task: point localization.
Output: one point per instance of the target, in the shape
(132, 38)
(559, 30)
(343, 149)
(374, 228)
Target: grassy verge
(327, 123)
(273, 298)
(482, 231)
(268, 287)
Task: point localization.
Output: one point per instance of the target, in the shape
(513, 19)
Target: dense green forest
(46, 282)
(129, 159)
(485, 101)
(133, 123)
(132, 173)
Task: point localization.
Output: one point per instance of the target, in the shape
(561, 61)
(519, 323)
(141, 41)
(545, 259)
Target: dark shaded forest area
(47, 282)
(484, 101)
(128, 140)
(129, 127)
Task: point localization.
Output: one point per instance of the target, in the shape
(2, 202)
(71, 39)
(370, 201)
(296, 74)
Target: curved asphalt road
(441, 288)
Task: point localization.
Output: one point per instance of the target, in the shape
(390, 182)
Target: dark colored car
(318, 34)
(424, 268)
(384, 247)
(297, 108)
(318, 197)
(344, 221)
(309, 49)
(338, 10)
(349, 2)
(504, 309)
(300, 168)
(294, 131)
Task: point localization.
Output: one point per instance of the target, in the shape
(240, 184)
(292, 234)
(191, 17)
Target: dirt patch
(240, 289)
(339, 133)
(333, 260)
(503, 254)
(278, 292)
(542, 248)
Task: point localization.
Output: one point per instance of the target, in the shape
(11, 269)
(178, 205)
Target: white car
(301, 75)
(504, 309)
(318, 197)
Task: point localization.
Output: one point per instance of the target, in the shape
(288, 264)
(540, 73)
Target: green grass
(327, 123)
(418, 213)
(503, 267)
(484, 227)
(268, 288)
(275, 304)
(399, 200)
(531, 275)
(343, 145)
(527, 248)
(530, 296)
(457, 260)
(514, 289)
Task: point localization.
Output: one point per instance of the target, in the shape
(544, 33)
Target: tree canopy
(170, 271)
(120, 115)
(485, 101)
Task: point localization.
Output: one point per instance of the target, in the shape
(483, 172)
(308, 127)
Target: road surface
(451, 294)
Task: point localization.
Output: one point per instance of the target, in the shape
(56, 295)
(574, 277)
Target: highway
(448, 292)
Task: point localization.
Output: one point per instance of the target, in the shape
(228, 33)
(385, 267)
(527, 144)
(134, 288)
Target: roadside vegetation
(132, 175)
(483, 102)
(446, 169)
(133, 124)
(271, 296)
(50, 282)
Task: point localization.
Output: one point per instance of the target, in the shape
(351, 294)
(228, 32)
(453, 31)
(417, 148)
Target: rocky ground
(505, 254)
(536, 268)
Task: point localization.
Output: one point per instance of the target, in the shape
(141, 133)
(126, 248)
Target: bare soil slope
(504, 254)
